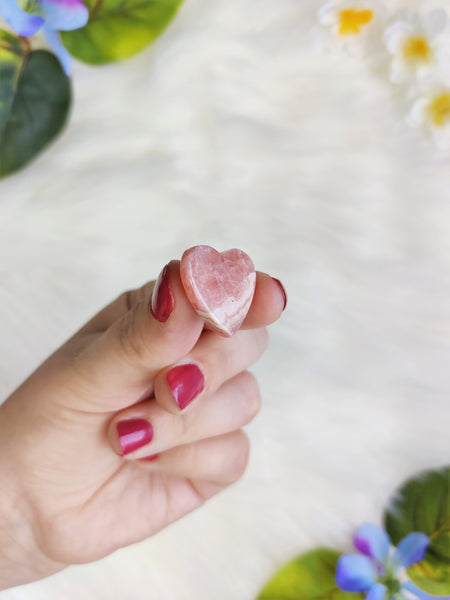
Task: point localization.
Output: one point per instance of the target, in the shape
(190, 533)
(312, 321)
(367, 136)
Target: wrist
(21, 560)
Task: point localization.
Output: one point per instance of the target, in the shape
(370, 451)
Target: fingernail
(283, 291)
(150, 458)
(162, 301)
(185, 382)
(133, 434)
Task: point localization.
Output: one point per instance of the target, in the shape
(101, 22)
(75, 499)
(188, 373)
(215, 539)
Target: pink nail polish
(185, 382)
(133, 434)
(162, 301)
(283, 291)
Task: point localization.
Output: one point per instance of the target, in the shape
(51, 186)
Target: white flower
(432, 110)
(352, 23)
(419, 45)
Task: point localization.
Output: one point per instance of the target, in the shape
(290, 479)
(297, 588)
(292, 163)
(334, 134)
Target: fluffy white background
(234, 130)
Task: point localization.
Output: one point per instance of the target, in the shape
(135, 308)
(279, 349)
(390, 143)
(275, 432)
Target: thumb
(117, 369)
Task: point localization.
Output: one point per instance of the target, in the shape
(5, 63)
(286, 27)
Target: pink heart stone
(220, 286)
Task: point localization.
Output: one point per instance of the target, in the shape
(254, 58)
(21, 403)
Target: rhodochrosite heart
(220, 286)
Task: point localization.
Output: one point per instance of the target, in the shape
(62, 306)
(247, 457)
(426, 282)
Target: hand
(72, 489)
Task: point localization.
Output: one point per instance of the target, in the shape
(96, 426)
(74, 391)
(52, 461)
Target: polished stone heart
(220, 286)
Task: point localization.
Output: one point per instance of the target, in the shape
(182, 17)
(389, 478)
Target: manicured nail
(283, 291)
(162, 301)
(133, 434)
(150, 458)
(186, 382)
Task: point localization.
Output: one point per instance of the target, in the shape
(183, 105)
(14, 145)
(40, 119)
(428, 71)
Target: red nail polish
(133, 434)
(283, 291)
(162, 301)
(150, 458)
(186, 382)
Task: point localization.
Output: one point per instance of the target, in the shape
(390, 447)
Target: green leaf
(431, 576)
(12, 51)
(423, 504)
(34, 101)
(118, 29)
(311, 576)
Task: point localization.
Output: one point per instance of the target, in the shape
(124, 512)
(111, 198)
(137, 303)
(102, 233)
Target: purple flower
(50, 16)
(381, 569)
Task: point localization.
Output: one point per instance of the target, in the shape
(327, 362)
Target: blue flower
(50, 16)
(381, 570)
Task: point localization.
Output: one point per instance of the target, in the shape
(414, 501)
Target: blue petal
(373, 541)
(53, 39)
(22, 22)
(420, 594)
(377, 592)
(65, 15)
(411, 549)
(355, 573)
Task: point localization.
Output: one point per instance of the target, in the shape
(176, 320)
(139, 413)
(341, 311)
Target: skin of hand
(68, 495)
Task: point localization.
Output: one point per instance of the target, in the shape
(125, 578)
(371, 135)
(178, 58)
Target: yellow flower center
(439, 109)
(351, 20)
(417, 50)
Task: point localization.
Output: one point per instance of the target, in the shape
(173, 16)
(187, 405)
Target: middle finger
(213, 360)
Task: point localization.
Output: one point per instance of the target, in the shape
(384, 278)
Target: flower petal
(65, 15)
(377, 592)
(355, 573)
(372, 541)
(420, 594)
(53, 39)
(417, 114)
(328, 14)
(395, 34)
(411, 549)
(22, 22)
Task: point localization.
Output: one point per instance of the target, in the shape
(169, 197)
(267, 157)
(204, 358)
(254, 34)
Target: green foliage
(423, 504)
(118, 29)
(12, 51)
(311, 576)
(34, 101)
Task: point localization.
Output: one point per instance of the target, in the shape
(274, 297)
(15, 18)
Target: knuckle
(251, 395)
(254, 343)
(131, 335)
(220, 354)
(130, 298)
(259, 342)
(237, 460)
(126, 299)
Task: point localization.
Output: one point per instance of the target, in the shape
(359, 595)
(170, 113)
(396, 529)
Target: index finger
(268, 303)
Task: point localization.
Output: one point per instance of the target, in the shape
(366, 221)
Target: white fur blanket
(235, 130)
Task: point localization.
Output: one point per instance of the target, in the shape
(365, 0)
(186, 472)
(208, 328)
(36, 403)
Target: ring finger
(220, 460)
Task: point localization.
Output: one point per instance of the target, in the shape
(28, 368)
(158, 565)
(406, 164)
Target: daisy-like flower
(27, 17)
(381, 569)
(418, 44)
(432, 111)
(351, 23)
